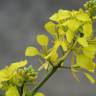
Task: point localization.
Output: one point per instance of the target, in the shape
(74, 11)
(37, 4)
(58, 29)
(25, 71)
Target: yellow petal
(64, 45)
(15, 66)
(50, 27)
(72, 24)
(8, 72)
(31, 51)
(39, 94)
(3, 75)
(83, 16)
(61, 31)
(82, 41)
(89, 51)
(61, 15)
(54, 17)
(42, 40)
(69, 36)
(12, 91)
(85, 62)
(87, 29)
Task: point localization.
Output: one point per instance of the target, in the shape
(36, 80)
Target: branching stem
(60, 61)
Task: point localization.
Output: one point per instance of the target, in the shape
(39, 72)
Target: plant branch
(21, 89)
(36, 88)
(44, 80)
(68, 67)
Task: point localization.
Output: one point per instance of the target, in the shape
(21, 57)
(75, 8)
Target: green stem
(66, 54)
(21, 89)
(48, 75)
(44, 80)
(52, 71)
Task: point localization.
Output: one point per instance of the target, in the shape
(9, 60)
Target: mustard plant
(72, 34)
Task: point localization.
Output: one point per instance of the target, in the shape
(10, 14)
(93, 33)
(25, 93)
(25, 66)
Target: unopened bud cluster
(91, 6)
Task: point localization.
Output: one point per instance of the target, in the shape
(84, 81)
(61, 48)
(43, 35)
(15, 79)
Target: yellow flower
(87, 29)
(72, 24)
(9, 71)
(85, 63)
(61, 15)
(12, 91)
(83, 16)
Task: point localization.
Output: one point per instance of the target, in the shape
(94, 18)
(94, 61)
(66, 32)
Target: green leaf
(82, 41)
(50, 27)
(39, 94)
(42, 40)
(31, 51)
(92, 80)
(12, 91)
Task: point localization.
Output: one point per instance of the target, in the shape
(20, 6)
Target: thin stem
(21, 89)
(51, 63)
(47, 77)
(60, 61)
(52, 71)
(67, 67)
(44, 80)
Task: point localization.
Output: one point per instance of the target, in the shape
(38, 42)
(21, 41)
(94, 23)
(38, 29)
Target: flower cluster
(71, 34)
(13, 77)
(68, 27)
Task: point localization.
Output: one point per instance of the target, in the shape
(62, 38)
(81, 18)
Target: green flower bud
(91, 7)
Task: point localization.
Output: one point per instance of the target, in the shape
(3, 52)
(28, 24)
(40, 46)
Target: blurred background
(20, 22)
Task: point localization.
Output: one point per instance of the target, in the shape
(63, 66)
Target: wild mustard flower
(72, 34)
(67, 27)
